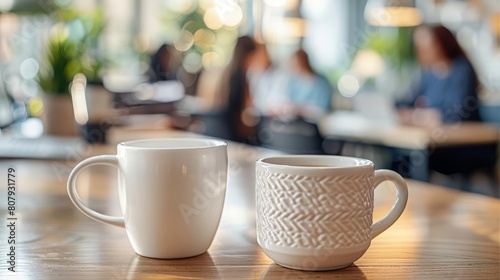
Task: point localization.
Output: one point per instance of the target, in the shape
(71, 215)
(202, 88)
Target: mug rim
(361, 162)
(215, 143)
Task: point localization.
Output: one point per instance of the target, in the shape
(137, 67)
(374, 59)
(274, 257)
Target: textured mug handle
(401, 199)
(75, 198)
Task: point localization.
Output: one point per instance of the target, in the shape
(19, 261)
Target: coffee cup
(315, 212)
(171, 194)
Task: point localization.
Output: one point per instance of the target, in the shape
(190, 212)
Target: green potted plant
(62, 62)
(70, 48)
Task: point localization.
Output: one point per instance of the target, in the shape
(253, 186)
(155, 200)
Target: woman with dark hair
(160, 66)
(448, 83)
(241, 126)
(230, 118)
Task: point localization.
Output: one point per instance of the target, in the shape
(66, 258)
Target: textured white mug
(171, 194)
(315, 212)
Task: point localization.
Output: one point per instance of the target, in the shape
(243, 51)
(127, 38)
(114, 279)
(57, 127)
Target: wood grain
(443, 234)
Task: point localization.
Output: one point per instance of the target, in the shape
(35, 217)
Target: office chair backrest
(296, 136)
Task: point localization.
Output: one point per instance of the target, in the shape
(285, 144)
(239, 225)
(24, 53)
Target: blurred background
(412, 85)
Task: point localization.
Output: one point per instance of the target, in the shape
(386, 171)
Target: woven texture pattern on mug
(314, 212)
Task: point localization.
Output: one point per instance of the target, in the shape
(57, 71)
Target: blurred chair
(214, 124)
(466, 160)
(469, 160)
(463, 159)
(295, 136)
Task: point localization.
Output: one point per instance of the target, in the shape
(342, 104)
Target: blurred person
(160, 68)
(267, 83)
(448, 82)
(290, 121)
(308, 93)
(235, 100)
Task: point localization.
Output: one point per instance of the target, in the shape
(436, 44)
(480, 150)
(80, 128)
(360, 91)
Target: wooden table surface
(443, 233)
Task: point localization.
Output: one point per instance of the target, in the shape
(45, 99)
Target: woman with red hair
(448, 83)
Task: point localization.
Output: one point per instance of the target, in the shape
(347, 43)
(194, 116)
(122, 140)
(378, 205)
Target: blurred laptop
(376, 107)
(381, 109)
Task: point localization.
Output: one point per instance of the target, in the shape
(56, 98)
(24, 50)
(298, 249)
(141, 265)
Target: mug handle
(401, 199)
(111, 160)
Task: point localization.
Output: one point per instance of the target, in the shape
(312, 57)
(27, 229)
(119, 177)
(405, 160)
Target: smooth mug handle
(75, 198)
(401, 199)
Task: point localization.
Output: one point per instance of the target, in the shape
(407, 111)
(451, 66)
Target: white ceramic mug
(315, 212)
(171, 194)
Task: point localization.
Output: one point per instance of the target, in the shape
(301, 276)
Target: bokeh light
(79, 99)
(230, 13)
(367, 63)
(282, 29)
(211, 60)
(393, 16)
(205, 4)
(192, 62)
(35, 106)
(204, 38)
(76, 30)
(184, 41)
(29, 68)
(212, 20)
(32, 128)
(59, 32)
(348, 85)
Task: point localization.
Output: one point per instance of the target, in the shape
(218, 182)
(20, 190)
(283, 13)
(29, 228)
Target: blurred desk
(351, 127)
(443, 233)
